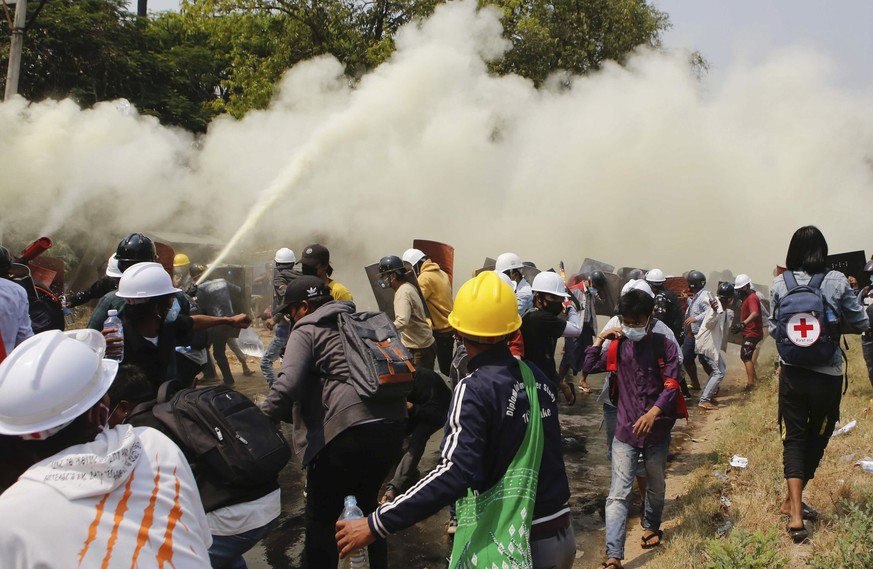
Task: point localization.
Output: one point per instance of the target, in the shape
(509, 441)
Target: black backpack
(224, 432)
(803, 333)
(380, 366)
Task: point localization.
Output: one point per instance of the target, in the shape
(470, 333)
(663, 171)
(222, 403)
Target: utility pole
(14, 69)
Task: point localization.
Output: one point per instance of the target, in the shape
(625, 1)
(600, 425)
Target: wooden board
(440, 253)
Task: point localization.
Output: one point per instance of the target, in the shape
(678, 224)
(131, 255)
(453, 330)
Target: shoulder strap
(612, 356)
(816, 280)
(660, 346)
(788, 277)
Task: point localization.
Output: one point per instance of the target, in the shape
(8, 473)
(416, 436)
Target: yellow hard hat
(180, 260)
(485, 307)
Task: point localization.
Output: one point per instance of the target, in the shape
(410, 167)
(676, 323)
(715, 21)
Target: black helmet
(133, 249)
(868, 268)
(391, 264)
(725, 290)
(696, 280)
(196, 270)
(5, 261)
(635, 275)
(598, 279)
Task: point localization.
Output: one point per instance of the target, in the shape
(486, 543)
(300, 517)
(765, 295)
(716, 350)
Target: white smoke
(641, 165)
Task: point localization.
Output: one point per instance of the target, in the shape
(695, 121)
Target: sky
(729, 32)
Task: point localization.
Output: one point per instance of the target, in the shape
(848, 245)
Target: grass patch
(751, 528)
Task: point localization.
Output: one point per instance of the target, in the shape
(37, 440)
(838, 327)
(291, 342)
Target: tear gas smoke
(641, 165)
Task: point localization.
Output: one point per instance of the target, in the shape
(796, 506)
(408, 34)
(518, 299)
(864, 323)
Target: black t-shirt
(541, 331)
(157, 361)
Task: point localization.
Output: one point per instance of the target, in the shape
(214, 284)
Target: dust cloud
(643, 165)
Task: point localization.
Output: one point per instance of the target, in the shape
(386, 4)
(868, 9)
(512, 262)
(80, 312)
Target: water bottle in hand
(115, 322)
(358, 558)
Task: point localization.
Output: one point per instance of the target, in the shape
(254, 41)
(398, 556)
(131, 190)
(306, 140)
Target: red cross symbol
(803, 328)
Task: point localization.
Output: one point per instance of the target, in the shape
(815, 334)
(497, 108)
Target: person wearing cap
(545, 323)
(436, 288)
(489, 438)
(346, 444)
(283, 273)
(510, 264)
(99, 288)
(15, 324)
(751, 325)
(709, 340)
(410, 317)
(647, 406)
(94, 496)
(153, 327)
(316, 261)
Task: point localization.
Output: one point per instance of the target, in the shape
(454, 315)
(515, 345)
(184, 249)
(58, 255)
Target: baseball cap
(304, 287)
(316, 254)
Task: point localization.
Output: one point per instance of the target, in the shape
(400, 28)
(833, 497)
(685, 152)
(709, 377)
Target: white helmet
(655, 276)
(638, 284)
(550, 283)
(285, 256)
(505, 278)
(145, 281)
(112, 269)
(742, 280)
(413, 256)
(508, 261)
(52, 378)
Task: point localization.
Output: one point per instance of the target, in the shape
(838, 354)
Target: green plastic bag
(494, 526)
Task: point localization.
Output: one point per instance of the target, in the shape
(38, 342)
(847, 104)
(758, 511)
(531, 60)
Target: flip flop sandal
(608, 564)
(798, 535)
(584, 387)
(647, 540)
(810, 514)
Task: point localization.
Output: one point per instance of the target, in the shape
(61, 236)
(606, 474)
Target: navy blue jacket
(486, 425)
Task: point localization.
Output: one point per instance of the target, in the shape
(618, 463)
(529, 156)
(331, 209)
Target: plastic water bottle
(115, 322)
(358, 558)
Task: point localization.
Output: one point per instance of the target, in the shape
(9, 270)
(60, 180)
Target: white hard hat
(508, 261)
(112, 269)
(52, 378)
(655, 276)
(742, 280)
(638, 284)
(285, 256)
(413, 256)
(505, 278)
(550, 283)
(144, 281)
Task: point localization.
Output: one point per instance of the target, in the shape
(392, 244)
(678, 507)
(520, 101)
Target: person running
(809, 395)
(708, 344)
(751, 324)
(283, 274)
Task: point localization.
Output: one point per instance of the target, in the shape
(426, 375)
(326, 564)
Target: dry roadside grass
(750, 429)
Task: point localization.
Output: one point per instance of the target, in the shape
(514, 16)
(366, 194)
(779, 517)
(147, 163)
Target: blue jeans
(718, 370)
(275, 350)
(624, 467)
(227, 550)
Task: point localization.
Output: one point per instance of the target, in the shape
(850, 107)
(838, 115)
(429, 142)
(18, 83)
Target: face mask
(554, 307)
(592, 290)
(383, 283)
(174, 311)
(103, 417)
(633, 334)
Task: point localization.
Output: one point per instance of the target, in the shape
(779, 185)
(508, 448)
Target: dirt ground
(427, 546)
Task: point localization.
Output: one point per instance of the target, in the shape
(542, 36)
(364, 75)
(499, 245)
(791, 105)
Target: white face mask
(634, 334)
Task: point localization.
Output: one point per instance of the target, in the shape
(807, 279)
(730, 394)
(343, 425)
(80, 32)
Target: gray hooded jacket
(321, 408)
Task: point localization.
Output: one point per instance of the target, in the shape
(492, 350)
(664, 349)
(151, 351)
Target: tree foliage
(225, 56)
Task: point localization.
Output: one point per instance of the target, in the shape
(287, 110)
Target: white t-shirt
(126, 499)
(240, 518)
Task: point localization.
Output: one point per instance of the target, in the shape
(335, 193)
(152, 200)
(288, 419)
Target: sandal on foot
(610, 565)
(798, 535)
(809, 514)
(569, 392)
(647, 539)
(584, 387)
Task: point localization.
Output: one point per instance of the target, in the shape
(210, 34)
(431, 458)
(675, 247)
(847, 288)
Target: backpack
(803, 335)
(380, 366)
(222, 430)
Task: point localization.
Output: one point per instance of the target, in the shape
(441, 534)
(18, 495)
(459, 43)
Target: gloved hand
(738, 327)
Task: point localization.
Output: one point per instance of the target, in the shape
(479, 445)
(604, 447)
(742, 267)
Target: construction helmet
(285, 256)
(133, 249)
(180, 260)
(638, 284)
(144, 281)
(655, 276)
(485, 308)
(391, 264)
(868, 268)
(696, 280)
(635, 275)
(112, 269)
(196, 270)
(549, 283)
(508, 261)
(741, 281)
(598, 279)
(725, 290)
(5, 260)
(52, 378)
(413, 256)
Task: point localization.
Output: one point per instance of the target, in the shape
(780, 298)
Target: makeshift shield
(440, 253)
(385, 296)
